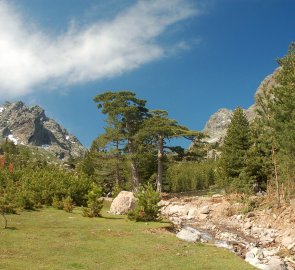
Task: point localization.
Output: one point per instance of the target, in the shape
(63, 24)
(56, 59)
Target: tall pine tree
(284, 119)
(232, 163)
(125, 115)
(158, 127)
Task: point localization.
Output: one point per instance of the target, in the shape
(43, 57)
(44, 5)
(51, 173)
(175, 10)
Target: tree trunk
(118, 180)
(160, 163)
(134, 173)
(134, 169)
(276, 174)
(118, 176)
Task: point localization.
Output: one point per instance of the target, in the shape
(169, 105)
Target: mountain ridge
(29, 125)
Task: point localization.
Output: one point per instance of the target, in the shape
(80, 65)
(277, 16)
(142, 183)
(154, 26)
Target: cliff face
(218, 123)
(30, 126)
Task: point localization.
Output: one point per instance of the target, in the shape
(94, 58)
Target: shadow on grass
(32, 210)
(11, 228)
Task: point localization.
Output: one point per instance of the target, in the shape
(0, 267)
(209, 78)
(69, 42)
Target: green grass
(53, 239)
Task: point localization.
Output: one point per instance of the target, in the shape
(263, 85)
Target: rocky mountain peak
(218, 123)
(30, 126)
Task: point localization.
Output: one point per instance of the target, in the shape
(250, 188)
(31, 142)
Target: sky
(189, 57)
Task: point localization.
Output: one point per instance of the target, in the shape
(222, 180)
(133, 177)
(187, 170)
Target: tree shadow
(10, 228)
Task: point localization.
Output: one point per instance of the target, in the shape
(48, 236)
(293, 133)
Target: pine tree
(125, 114)
(159, 127)
(265, 147)
(234, 152)
(284, 118)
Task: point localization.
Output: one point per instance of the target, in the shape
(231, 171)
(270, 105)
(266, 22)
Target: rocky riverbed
(262, 234)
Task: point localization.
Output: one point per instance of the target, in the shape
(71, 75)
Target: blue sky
(188, 57)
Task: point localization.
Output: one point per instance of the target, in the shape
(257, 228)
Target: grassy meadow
(54, 239)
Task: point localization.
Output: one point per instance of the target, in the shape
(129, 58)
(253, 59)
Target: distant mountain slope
(218, 123)
(30, 126)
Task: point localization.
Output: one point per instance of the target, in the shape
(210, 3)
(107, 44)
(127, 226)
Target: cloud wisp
(30, 58)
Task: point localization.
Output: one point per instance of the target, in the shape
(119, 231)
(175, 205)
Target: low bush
(147, 208)
(68, 205)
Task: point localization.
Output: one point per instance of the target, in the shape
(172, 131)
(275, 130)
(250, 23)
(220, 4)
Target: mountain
(31, 127)
(218, 123)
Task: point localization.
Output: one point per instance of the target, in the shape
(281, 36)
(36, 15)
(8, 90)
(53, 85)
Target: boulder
(276, 263)
(189, 234)
(193, 213)
(175, 210)
(205, 210)
(123, 203)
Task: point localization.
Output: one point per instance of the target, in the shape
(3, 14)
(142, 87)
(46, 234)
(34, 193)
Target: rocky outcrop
(265, 237)
(218, 123)
(31, 127)
(123, 203)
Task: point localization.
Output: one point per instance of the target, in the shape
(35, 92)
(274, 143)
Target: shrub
(147, 208)
(68, 205)
(57, 203)
(25, 200)
(94, 202)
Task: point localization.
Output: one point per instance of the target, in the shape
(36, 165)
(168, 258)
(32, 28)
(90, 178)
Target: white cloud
(29, 57)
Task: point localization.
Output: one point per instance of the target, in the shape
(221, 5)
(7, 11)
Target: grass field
(53, 239)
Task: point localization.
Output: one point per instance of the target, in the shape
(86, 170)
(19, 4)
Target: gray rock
(189, 234)
(276, 263)
(217, 125)
(193, 213)
(123, 203)
(176, 210)
(205, 210)
(223, 244)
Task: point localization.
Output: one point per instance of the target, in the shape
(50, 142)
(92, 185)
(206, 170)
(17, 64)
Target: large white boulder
(123, 203)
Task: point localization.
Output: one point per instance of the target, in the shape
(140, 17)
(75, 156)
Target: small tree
(94, 202)
(147, 208)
